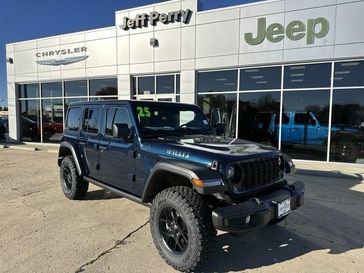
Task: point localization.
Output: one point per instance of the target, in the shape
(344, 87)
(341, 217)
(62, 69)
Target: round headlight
(233, 173)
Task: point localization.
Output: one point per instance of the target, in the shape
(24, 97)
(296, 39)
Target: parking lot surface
(42, 231)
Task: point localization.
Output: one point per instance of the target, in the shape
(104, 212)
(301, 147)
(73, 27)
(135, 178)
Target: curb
(20, 148)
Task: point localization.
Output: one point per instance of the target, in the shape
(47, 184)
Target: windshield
(170, 119)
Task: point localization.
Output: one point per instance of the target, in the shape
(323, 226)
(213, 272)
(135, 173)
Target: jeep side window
(122, 116)
(304, 119)
(116, 116)
(73, 119)
(285, 118)
(90, 122)
(109, 121)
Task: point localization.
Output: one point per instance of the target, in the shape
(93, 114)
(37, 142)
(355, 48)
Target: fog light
(247, 219)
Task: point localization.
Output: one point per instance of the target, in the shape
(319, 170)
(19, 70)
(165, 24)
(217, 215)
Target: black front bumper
(259, 211)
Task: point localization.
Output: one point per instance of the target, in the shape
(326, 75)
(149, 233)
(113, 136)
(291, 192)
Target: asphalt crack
(108, 251)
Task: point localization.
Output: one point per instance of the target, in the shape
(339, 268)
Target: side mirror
(121, 130)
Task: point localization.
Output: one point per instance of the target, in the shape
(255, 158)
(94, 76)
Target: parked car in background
(31, 128)
(3, 128)
(305, 129)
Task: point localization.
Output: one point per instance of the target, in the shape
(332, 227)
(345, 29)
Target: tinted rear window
(73, 120)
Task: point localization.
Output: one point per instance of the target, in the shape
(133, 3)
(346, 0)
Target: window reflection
(30, 120)
(52, 111)
(146, 85)
(178, 83)
(221, 112)
(259, 117)
(51, 89)
(218, 81)
(347, 130)
(70, 100)
(349, 74)
(103, 87)
(260, 78)
(75, 88)
(307, 76)
(305, 134)
(165, 84)
(102, 98)
(29, 90)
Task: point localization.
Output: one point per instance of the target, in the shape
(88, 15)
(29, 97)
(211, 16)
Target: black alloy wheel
(174, 231)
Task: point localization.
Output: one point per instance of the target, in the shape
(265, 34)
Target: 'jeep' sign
(295, 30)
(141, 20)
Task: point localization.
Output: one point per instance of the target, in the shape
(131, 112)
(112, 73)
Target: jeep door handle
(103, 148)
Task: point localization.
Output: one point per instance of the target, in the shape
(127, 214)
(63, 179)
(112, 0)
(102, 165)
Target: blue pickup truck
(303, 128)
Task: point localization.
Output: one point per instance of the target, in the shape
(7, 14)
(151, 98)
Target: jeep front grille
(258, 173)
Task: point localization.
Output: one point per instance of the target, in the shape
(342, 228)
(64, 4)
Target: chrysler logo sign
(62, 52)
(141, 20)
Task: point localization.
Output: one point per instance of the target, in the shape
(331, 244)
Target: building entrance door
(167, 98)
(163, 87)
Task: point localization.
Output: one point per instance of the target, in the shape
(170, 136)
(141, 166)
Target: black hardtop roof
(123, 102)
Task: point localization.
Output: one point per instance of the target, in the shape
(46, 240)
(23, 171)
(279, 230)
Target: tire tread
(200, 213)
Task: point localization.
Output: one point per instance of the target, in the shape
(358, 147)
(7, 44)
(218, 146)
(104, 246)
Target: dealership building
(289, 73)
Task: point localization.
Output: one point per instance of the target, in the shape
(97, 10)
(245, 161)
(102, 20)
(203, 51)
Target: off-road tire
(352, 157)
(196, 214)
(76, 187)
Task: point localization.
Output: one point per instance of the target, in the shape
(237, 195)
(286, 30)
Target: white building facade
(289, 73)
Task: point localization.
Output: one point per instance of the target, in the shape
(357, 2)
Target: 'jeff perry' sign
(295, 30)
(141, 20)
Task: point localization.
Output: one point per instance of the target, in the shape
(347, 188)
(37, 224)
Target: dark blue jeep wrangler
(165, 155)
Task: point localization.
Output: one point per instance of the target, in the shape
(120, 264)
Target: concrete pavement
(42, 231)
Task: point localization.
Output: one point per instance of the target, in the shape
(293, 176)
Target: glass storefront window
(102, 98)
(70, 100)
(104, 87)
(28, 90)
(349, 74)
(146, 85)
(30, 120)
(347, 129)
(260, 78)
(51, 89)
(178, 83)
(307, 76)
(259, 117)
(165, 84)
(52, 120)
(75, 88)
(306, 133)
(220, 110)
(217, 81)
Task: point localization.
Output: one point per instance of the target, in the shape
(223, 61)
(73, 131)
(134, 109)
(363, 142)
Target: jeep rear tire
(73, 186)
(182, 229)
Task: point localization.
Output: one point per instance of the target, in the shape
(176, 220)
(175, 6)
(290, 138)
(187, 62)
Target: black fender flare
(76, 156)
(213, 182)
